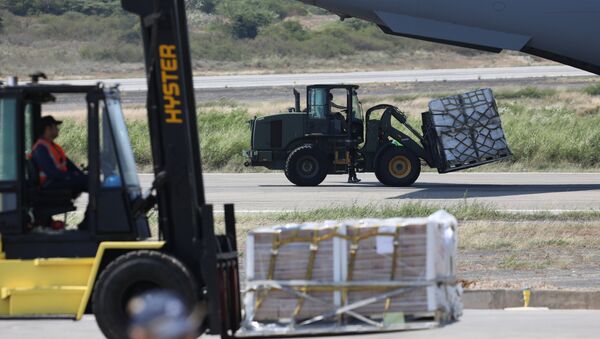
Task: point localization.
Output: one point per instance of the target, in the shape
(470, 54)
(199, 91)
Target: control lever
(142, 205)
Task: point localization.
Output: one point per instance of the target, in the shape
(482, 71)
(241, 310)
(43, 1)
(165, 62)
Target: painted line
(263, 211)
(551, 211)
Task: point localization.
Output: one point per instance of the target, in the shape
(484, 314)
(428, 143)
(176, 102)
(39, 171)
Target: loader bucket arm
(387, 130)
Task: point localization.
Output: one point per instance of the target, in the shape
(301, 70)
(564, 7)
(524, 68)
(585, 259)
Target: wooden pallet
(347, 318)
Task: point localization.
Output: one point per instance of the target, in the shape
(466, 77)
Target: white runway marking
(392, 76)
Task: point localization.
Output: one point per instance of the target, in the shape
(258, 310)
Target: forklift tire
(133, 274)
(398, 167)
(306, 166)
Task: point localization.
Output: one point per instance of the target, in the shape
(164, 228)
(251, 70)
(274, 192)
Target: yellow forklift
(98, 265)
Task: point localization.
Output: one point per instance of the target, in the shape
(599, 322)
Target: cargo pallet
(344, 319)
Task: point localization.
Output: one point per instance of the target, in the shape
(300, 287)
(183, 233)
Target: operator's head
(160, 315)
(50, 127)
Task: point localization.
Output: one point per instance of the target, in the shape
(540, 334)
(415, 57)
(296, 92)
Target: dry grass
(529, 235)
(314, 22)
(371, 61)
(497, 251)
(481, 228)
(46, 43)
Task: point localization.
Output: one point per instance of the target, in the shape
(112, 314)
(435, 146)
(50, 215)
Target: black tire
(398, 167)
(306, 166)
(133, 274)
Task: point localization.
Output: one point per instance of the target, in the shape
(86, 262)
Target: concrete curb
(559, 300)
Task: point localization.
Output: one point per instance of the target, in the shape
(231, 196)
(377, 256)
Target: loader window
(8, 153)
(8, 139)
(317, 103)
(357, 107)
(338, 101)
(29, 131)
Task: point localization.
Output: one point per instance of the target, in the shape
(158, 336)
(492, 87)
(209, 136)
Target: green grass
(223, 137)
(551, 137)
(593, 90)
(516, 241)
(465, 212)
(542, 137)
(527, 92)
(544, 133)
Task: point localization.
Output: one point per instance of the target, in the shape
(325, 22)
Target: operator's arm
(334, 105)
(42, 158)
(73, 168)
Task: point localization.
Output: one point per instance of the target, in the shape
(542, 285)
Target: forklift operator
(337, 115)
(56, 171)
(334, 105)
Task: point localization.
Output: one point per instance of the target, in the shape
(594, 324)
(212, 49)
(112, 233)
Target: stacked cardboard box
(467, 129)
(352, 262)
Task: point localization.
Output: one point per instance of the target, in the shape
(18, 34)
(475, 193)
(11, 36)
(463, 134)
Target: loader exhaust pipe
(297, 100)
(12, 81)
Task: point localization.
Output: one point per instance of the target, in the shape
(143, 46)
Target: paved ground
(473, 325)
(507, 191)
(404, 76)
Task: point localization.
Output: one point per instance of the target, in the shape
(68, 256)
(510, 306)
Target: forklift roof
(333, 86)
(45, 93)
(58, 89)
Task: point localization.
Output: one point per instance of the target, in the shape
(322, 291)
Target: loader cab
(332, 108)
(103, 214)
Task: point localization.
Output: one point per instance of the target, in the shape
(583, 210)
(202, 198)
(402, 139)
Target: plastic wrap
(466, 130)
(360, 275)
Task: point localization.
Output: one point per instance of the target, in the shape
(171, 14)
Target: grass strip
(547, 130)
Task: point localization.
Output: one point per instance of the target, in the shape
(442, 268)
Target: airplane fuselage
(564, 31)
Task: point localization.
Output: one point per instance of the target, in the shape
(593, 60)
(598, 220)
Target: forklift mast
(185, 220)
(172, 121)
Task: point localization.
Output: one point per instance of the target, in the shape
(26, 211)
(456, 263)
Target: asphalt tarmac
(486, 324)
(524, 192)
(270, 192)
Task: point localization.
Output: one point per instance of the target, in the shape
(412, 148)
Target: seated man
(56, 171)
(334, 105)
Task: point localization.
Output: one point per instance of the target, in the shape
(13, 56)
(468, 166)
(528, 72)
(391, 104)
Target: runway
(399, 76)
(489, 324)
(518, 192)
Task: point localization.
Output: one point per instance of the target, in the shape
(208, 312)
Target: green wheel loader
(333, 135)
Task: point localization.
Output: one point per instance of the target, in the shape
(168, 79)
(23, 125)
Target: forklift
(110, 257)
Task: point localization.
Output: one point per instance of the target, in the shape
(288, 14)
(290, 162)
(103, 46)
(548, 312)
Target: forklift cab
(113, 183)
(332, 108)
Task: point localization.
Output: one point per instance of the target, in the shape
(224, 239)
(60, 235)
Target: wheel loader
(333, 135)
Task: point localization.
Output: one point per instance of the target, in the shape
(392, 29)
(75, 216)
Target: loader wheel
(397, 167)
(306, 166)
(131, 275)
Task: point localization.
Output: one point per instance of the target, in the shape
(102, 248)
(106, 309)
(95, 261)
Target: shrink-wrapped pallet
(466, 130)
(386, 267)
